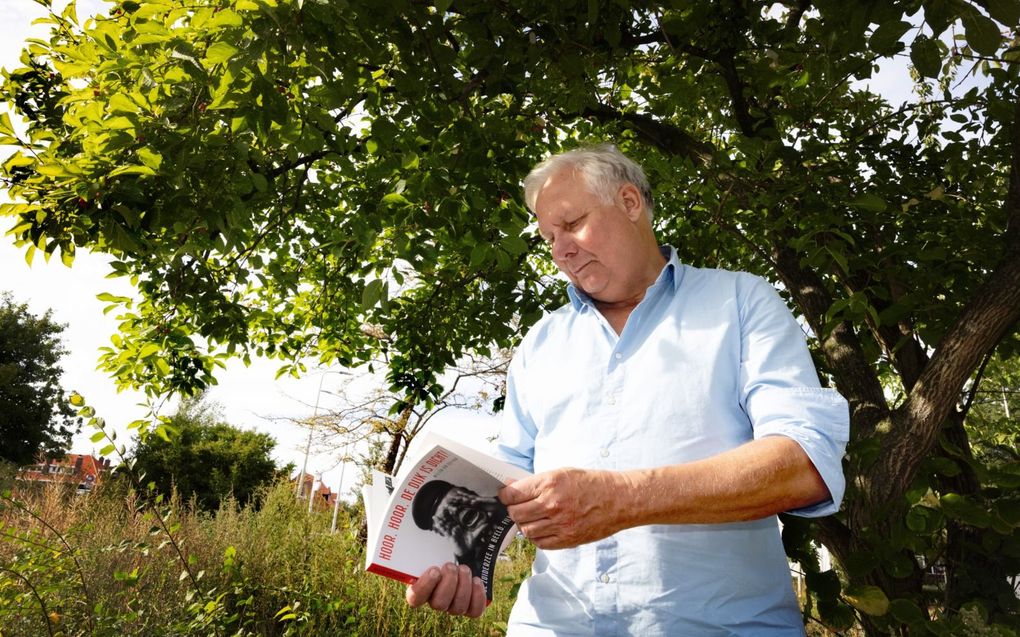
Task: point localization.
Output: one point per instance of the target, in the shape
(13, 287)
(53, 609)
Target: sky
(249, 397)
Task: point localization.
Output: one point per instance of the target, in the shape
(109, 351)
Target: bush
(119, 562)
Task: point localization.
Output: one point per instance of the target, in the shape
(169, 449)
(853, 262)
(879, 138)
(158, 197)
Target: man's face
(467, 518)
(593, 243)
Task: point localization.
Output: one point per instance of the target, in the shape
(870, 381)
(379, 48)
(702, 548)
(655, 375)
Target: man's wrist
(629, 507)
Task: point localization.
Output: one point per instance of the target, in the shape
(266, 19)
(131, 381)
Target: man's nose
(563, 247)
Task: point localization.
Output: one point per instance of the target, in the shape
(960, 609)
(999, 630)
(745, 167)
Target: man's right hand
(450, 589)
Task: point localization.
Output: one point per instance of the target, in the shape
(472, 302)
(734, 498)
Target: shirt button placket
(604, 601)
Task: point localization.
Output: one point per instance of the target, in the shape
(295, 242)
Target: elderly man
(669, 413)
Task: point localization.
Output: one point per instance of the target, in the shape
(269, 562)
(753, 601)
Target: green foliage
(34, 415)
(339, 180)
(201, 458)
(269, 572)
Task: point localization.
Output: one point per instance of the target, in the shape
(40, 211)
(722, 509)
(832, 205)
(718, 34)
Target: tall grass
(116, 563)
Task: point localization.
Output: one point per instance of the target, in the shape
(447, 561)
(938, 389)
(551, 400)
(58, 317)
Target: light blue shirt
(707, 361)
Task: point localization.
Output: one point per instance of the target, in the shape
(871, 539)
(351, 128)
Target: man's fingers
(537, 528)
(477, 606)
(517, 492)
(462, 596)
(419, 592)
(527, 512)
(442, 596)
(449, 588)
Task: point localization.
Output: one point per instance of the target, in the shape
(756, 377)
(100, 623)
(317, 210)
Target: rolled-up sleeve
(781, 394)
(817, 419)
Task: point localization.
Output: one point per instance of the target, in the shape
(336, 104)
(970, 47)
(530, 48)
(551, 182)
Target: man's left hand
(564, 508)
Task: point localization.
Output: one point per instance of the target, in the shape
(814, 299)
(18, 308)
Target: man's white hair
(603, 167)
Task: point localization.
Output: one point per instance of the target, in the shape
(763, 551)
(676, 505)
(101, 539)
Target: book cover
(443, 509)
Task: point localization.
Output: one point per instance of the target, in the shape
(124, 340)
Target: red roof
(75, 469)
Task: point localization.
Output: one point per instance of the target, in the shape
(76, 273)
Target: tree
(206, 459)
(35, 417)
(277, 175)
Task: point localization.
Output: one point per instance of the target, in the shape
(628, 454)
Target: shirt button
(604, 578)
(611, 400)
(604, 453)
(618, 356)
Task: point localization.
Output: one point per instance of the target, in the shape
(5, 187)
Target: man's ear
(633, 204)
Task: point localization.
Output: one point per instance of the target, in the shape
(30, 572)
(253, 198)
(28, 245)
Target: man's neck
(618, 311)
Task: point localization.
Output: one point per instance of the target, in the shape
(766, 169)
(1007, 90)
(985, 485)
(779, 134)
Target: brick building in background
(324, 497)
(76, 470)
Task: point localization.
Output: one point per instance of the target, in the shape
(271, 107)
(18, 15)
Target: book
(444, 508)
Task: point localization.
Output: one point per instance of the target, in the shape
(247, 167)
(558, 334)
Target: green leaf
(925, 56)
(224, 18)
(982, 33)
(885, 40)
(76, 399)
(111, 298)
(371, 294)
(839, 258)
(121, 102)
(132, 170)
(395, 198)
(52, 170)
(825, 584)
(7, 135)
(119, 122)
(922, 519)
(259, 181)
(96, 437)
(514, 244)
(869, 201)
(867, 599)
(907, 612)
(149, 158)
(17, 160)
(944, 466)
(479, 254)
(1005, 11)
(220, 52)
(962, 508)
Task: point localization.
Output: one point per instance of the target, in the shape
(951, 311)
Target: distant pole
(339, 489)
(308, 447)
(311, 493)
(304, 465)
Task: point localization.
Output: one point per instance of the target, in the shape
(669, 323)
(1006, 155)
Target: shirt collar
(671, 276)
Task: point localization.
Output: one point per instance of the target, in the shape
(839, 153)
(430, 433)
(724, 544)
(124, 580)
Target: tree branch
(666, 137)
(994, 310)
(855, 378)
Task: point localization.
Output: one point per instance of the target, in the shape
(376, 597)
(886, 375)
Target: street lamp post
(339, 489)
(308, 447)
(311, 493)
